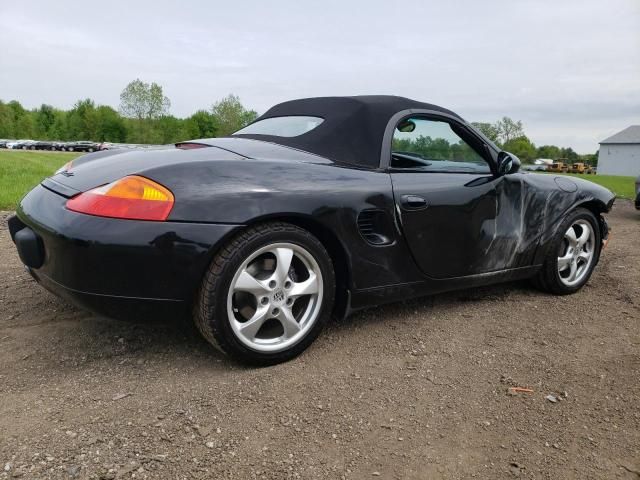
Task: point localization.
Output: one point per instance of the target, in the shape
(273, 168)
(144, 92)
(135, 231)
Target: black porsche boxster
(321, 206)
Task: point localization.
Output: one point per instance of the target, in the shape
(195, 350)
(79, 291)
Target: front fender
(560, 202)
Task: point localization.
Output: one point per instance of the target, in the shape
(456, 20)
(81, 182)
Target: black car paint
(477, 228)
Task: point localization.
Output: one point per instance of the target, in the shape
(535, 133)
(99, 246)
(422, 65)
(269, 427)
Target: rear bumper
(105, 263)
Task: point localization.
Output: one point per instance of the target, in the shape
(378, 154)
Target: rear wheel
(573, 255)
(267, 295)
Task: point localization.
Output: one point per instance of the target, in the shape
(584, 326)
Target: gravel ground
(414, 390)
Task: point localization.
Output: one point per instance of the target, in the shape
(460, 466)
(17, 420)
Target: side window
(433, 146)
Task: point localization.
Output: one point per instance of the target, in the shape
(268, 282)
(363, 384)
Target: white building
(620, 154)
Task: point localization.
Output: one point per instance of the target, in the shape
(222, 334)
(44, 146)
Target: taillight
(133, 197)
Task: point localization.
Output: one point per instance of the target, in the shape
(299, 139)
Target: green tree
(58, 130)
(569, 154)
(201, 124)
(521, 147)
(44, 117)
(168, 129)
(509, 129)
(82, 121)
(549, 151)
(21, 120)
(231, 115)
(489, 130)
(7, 126)
(143, 102)
(110, 126)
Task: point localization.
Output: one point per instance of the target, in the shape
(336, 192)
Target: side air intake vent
(375, 227)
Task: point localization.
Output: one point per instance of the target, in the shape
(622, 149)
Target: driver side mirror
(507, 163)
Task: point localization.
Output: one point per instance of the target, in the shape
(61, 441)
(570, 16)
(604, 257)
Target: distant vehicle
(578, 168)
(543, 161)
(22, 144)
(81, 146)
(638, 192)
(534, 168)
(41, 145)
(589, 170)
(3, 143)
(558, 167)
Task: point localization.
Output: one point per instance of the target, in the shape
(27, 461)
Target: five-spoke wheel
(267, 294)
(572, 255)
(576, 253)
(275, 297)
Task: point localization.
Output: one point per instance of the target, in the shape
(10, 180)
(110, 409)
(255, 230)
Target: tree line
(143, 117)
(509, 135)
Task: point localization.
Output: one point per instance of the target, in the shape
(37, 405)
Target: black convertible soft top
(353, 127)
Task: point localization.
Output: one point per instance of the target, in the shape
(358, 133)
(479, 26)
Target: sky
(568, 69)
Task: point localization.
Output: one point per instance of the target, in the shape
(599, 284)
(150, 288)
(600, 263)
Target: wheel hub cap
(577, 253)
(279, 296)
(275, 297)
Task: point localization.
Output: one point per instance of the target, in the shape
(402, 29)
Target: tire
(225, 311)
(557, 274)
(90, 150)
(69, 149)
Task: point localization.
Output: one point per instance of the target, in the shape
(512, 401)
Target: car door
(452, 206)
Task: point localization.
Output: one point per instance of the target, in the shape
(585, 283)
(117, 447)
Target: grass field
(623, 187)
(20, 171)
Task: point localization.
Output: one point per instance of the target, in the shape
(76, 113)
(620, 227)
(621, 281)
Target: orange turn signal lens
(132, 197)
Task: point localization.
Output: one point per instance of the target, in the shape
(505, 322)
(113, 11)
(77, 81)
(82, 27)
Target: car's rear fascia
(102, 263)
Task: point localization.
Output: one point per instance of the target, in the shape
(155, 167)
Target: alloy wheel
(577, 253)
(275, 297)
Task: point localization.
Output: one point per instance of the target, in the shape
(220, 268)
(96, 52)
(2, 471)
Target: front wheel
(574, 253)
(267, 294)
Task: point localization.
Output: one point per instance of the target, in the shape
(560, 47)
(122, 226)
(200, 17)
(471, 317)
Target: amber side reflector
(132, 197)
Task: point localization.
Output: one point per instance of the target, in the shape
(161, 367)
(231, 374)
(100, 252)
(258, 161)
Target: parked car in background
(638, 192)
(3, 143)
(41, 145)
(22, 144)
(81, 146)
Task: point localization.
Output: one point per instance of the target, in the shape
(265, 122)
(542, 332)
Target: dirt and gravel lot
(415, 390)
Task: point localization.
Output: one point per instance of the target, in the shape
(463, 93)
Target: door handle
(413, 202)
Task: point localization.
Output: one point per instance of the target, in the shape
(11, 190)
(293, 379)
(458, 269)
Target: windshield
(281, 126)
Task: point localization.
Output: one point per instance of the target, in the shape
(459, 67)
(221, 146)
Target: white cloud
(568, 69)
